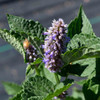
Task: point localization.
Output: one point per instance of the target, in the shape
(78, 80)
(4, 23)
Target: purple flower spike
(55, 44)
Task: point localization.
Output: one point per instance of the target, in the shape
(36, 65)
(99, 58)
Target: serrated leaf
(17, 96)
(11, 88)
(84, 40)
(86, 26)
(92, 69)
(36, 98)
(57, 92)
(27, 26)
(83, 68)
(37, 86)
(80, 25)
(37, 42)
(75, 25)
(90, 42)
(90, 66)
(80, 53)
(4, 34)
(27, 29)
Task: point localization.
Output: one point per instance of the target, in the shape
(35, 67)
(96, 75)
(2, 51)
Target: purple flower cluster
(55, 44)
(31, 54)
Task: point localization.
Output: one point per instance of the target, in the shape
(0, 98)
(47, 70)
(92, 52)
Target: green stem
(57, 78)
(37, 71)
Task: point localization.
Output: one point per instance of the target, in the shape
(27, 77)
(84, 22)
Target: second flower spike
(31, 52)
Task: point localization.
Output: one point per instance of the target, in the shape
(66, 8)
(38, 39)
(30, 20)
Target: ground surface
(12, 67)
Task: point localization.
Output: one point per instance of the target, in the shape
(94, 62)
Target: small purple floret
(45, 33)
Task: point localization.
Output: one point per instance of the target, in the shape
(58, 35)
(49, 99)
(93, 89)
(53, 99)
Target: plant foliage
(81, 58)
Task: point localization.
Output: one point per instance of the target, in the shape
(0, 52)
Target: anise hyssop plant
(52, 55)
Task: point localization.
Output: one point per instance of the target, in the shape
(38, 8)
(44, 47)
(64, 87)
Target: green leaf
(36, 87)
(86, 26)
(11, 88)
(29, 69)
(4, 34)
(91, 89)
(27, 26)
(80, 53)
(74, 69)
(90, 42)
(81, 82)
(72, 98)
(50, 76)
(24, 28)
(95, 88)
(37, 42)
(46, 73)
(36, 98)
(99, 98)
(17, 96)
(83, 68)
(91, 65)
(87, 41)
(37, 61)
(41, 69)
(57, 92)
(84, 40)
(78, 94)
(80, 25)
(60, 85)
(83, 37)
(75, 25)
(33, 39)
